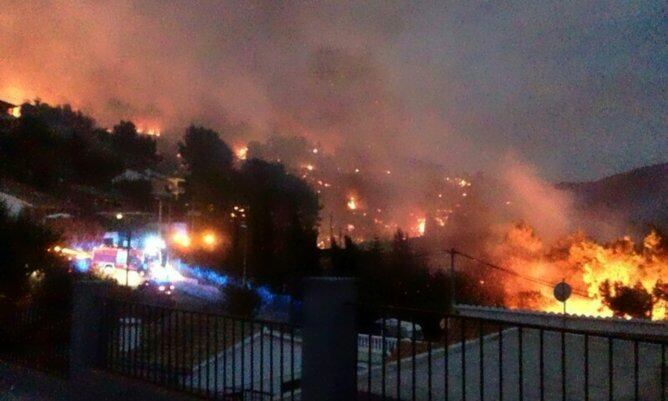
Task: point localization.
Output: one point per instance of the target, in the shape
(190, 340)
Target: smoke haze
(577, 90)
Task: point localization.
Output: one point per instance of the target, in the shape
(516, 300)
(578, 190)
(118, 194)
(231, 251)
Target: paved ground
(19, 384)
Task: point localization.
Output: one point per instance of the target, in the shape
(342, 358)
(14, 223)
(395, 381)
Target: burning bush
(620, 278)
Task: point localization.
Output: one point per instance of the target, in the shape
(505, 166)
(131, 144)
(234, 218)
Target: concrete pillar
(329, 350)
(87, 326)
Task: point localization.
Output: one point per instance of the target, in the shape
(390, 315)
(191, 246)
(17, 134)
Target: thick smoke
(563, 85)
(419, 90)
(399, 98)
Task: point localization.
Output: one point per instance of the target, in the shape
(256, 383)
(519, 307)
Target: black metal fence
(470, 358)
(206, 354)
(36, 336)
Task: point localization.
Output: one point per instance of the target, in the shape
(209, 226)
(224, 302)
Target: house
(162, 186)
(271, 366)
(501, 362)
(9, 110)
(13, 204)
(494, 363)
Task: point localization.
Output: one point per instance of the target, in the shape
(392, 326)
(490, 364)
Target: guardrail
(211, 355)
(404, 354)
(473, 358)
(378, 344)
(37, 337)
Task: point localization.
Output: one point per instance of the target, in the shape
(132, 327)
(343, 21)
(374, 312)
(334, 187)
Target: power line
(506, 270)
(516, 274)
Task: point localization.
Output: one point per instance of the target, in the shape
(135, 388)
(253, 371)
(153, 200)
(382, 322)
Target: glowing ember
(150, 130)
(422, 222)
(241, 152)
(352, 203)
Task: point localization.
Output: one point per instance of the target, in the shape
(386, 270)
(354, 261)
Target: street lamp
(241, 213)
(119, 217)
(209, 239)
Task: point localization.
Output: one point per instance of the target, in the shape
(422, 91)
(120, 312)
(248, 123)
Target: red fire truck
(108, 258)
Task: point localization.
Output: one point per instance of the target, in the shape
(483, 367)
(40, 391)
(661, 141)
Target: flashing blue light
(153, 244)
(265, 294)
(81, 265)
(268, 298)
(202, 273)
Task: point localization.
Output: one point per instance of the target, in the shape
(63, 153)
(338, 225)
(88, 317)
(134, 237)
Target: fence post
(329, 354)
(87, 325)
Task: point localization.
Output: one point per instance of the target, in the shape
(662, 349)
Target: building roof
(6, 105)
(639, 327)
(13, 204)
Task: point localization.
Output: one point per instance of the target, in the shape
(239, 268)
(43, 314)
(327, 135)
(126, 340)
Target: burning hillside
(363, 200)
(619, 278)
(473, 213)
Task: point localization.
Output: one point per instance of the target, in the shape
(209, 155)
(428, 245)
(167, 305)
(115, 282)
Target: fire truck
(113, 262)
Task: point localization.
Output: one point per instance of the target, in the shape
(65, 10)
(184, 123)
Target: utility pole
(331, 231)
(159, 215)
(452, 280)
(244, 225)
(127, 259)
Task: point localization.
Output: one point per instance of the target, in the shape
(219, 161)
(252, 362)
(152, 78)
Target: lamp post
(453, 298)
(245, 256)
(241, 213)
(119, 217)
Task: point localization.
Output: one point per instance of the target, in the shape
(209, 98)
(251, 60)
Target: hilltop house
(9, 110)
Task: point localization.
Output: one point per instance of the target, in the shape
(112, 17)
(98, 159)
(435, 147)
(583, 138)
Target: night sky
(577, 89)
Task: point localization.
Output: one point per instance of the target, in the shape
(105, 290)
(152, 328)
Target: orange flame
(241, 152)
(422, 223)
(591, 269)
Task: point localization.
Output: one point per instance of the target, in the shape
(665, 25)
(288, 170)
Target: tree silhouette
(24, 248)
(624, 300)
(210, 174)
(137, 151)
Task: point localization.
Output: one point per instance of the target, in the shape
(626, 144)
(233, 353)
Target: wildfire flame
(599, 273)
(352, 203)
(146, 129)
(15, 112)
(241, 152)
(623, 265)
(422, 222)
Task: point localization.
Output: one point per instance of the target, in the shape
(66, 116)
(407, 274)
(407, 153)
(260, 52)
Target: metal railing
(472, 358)
(377, 344)
(37, 337)
(206, 354)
